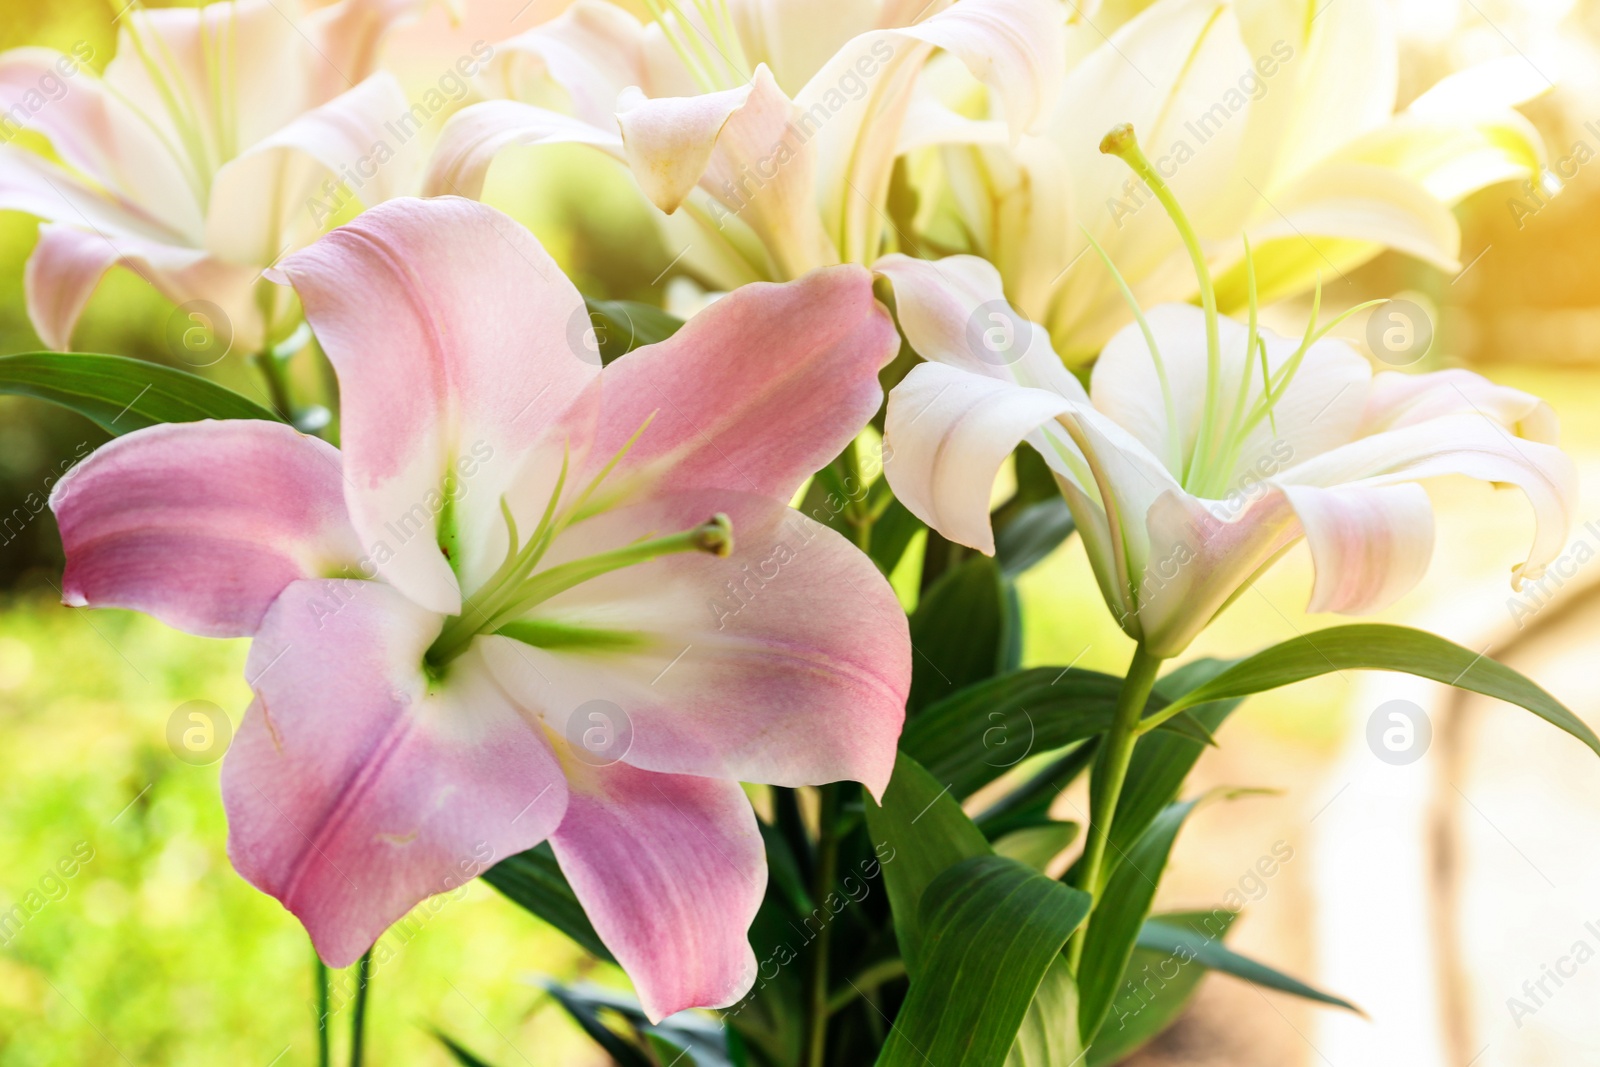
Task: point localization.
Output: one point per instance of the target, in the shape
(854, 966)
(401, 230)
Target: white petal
(273, 197)
(1370, 545)
(945, 435)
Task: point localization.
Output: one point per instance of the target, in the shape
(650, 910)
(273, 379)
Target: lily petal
(202, 524)
(268, 199)
(946, 433)
(449, 326)
(95, 133)
(786, 662)
(1469, 444)
(1370, 545)
(947, 309)
(670, 868)
(68, 263)
(348, 36)
(754, 393)
(475, 135)
(748, 148)
(413, 788)
(593, 50)
(166, 67)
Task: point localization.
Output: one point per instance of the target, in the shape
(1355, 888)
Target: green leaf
(1184, 940)
(1154, 990)
(1029, 804)
(993, 927)
(461, 1054)
(1036, 531)
(1119, 915)
(120, 394)
(533, 880)
(1376, 646)
(959, 633)
(920, 831)
(585, 1011)
(972, 737)
(1048, 1036)
(620, 326)
(1039, 844)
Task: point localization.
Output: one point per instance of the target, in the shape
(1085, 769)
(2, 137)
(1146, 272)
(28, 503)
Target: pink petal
(754, 393)
(787, 662)
(357, 786)
(671, 870)
(202, 524)
(1371, 546)
(274, 195)
(451, 330)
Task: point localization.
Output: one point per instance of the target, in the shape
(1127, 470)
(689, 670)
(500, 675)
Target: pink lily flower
(1188, 482)
(196, 158)
(529, 598)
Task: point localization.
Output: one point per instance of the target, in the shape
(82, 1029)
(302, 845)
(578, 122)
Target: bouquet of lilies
(692, 637)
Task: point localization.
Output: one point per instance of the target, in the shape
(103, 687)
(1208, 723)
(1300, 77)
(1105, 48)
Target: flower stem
(1106, 780)
(320, 980)
(817, 1009)
(277, 384)
(358, 1023)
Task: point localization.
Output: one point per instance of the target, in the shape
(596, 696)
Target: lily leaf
(121, 395)
(1376, 646)
(993, 929)
(1154, 990)
(533, 880)
(971, 737)
(1175, 938)
(920, 831)
(960, 633)
(460, 1052)
(620, 326)
(1118, 917)
(1048, 1036)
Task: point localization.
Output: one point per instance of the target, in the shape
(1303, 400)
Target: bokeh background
(1428, 893)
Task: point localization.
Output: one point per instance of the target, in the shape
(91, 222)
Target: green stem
(358, 1023)
(320, 971)
(272, 369)
(817, 1011)
(1107, 778)
(867, 981)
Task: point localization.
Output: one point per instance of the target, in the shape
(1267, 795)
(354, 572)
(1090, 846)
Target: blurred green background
(155, 952)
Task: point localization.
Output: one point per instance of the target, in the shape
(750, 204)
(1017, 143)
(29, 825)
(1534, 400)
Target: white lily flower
(200, 155)
(1204, 448)
(1272, 120)
(765, 131)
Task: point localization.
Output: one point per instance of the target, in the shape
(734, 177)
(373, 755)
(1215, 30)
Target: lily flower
(1274, 122)
(529, 599)
(766, 133)
(1204, 448)
(194, 160)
